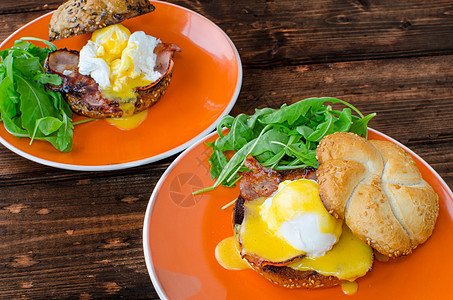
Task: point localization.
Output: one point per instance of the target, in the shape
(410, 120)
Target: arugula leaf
(226, 121)
(267, 142)
(64, 136)
(8, 98)
(61, 104)
(242, 132)
(8, 63)
(359, 126)
(322, 129)
(35, 103)
(344, 121)
(291, 113)
(47, 78)
(28, 66)
(51, 46)
(27, 108)
(281, 139)
(218, 161)
(48, 125)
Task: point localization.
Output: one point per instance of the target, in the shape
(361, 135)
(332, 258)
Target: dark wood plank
(273, 33)
(11, 22)
(412, 98)
(68, 239)
(16, 7)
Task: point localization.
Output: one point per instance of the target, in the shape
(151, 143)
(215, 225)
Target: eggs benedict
(284, 232)
(319, 228)
(290, 224)
(120, 62)
(118, 74)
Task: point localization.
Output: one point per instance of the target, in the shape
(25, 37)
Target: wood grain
(67, 234)
(90, 238)
(412, 98)
(272, 33)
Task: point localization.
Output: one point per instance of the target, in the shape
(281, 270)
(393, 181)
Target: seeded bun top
(76, 17)
(377, 188)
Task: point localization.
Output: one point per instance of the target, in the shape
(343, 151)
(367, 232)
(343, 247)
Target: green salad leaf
(27, 108)
(281, 139)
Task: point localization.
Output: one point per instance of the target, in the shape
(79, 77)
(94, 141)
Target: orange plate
(206, 80)
(181, 232)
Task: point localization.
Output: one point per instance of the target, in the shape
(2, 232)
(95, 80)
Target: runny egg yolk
(130, 122)
(120, 63)
(349, 259)
(111, 42)
(227, 254)
(117, 50)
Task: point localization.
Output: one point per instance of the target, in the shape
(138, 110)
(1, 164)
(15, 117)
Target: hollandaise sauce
(227, 254)
(349, 259)
(259, 240)
(291, 223)
(349, 287)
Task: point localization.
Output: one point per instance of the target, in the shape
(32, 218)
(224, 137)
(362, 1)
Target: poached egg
(296, 214)
(293, 228)
(290, 223)
(120, 62)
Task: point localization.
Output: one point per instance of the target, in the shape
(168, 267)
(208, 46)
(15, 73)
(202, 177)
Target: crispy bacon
(262, 182)
(259, 181)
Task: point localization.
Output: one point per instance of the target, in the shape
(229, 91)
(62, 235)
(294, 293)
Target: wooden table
(67, 234)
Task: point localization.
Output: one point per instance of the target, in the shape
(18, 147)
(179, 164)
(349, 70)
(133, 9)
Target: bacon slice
(83, 94)
(259, 181)
(262, 182)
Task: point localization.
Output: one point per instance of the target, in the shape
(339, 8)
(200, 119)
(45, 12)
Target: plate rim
(148, 160)
(146, 242)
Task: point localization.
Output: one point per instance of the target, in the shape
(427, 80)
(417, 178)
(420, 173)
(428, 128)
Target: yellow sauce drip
(349, 259)
(227, 254)
(349, 287)
(130, 122)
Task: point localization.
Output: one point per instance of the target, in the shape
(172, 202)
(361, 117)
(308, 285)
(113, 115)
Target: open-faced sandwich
(117, 73)
(321, 223)
(286, 234)
(317, 229)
